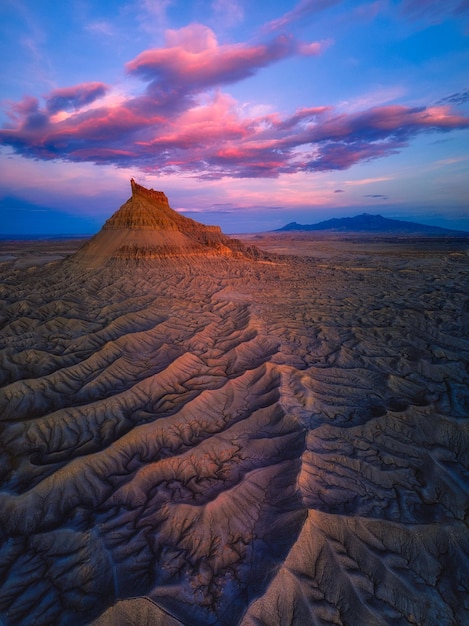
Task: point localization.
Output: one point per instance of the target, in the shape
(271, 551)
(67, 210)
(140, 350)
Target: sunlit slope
(146, 227)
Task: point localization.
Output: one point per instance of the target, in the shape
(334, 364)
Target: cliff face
(147, 227)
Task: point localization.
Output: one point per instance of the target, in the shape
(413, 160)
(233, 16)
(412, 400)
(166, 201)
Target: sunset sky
(247, 113)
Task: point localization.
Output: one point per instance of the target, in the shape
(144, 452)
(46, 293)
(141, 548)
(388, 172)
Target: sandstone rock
(146, 227)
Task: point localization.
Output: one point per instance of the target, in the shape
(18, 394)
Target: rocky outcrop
(148, 209)
(146, 227)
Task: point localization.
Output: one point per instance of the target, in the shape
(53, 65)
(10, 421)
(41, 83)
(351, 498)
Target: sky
(248, 114)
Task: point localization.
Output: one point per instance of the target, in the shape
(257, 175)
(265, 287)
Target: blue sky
(246, 114)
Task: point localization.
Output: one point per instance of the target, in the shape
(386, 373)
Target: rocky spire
(156, 196)
(146, 209)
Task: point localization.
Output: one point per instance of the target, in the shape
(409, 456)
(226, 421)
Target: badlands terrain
(198, 431)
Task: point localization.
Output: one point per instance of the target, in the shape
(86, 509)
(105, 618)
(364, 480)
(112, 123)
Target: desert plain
(270, 438)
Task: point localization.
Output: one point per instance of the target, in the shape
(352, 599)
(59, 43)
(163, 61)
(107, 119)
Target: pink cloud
(310, 49)
(213, 139)
(24, 107)
(175, 126)
(192, 38)
(214, 122)
(194, 60)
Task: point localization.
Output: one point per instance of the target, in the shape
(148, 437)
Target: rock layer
(146, 227)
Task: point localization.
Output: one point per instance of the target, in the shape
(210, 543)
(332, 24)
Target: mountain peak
(148, 209)
(373, 224)
(146, 227)
(158, 197)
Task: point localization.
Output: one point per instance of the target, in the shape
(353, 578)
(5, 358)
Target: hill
(146, 227)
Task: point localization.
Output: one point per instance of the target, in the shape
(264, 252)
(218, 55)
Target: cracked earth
(236, 442)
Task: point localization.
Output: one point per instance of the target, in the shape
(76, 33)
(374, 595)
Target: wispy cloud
(434, 11)
(100, 28)
(368, 181)
(32, 39)
(373, 98)
(458, 98)
(152, 15)
(367, 11)
(302, 10)
(227, 13)
(76, 97)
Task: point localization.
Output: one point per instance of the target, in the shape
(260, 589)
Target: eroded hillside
(244, 442)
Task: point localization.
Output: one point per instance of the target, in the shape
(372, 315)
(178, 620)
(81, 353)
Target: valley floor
(233, 442)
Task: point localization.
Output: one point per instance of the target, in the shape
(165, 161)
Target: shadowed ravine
(235, 442)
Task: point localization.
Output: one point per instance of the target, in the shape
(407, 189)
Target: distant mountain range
(375, 224)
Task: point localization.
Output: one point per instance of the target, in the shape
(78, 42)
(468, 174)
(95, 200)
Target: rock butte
(146, 227)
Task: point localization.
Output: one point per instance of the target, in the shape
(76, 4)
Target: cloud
(151, 15)
(373, 98)
(227, 12)
(376, 195)
(342, 155)
(183, 123)
(434, 11)
(368, 181)
(213, 139)
(27, 114)
(100, 28)
(458, 98)
(68, 98)
(393, 122)
(302, 10)
(192, 60)
(339, 191)
(367, 11)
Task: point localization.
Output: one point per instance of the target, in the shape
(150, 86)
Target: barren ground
(233, 442)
